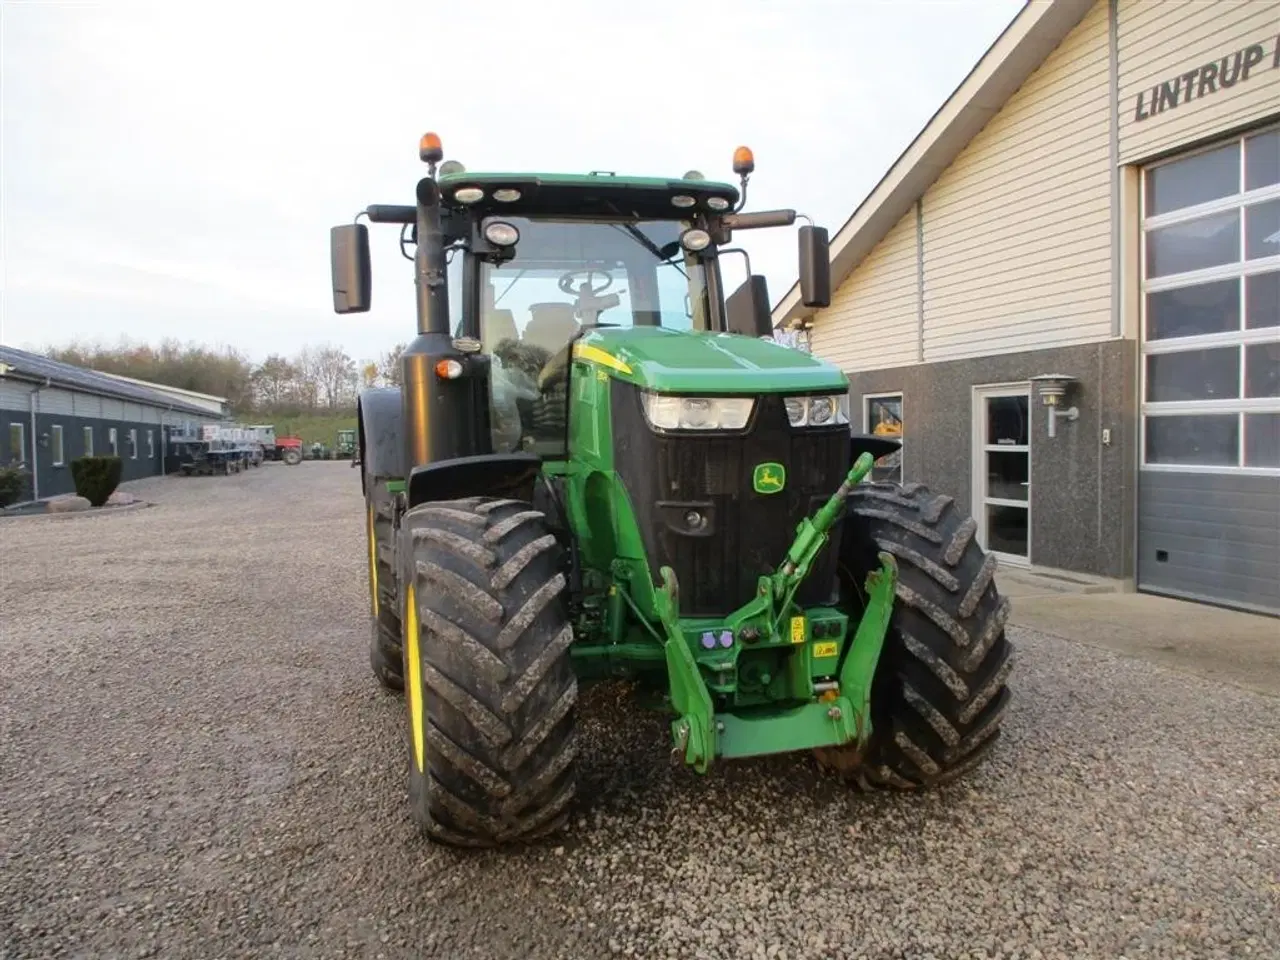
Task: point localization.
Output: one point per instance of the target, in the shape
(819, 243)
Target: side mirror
(815, 267)
(747, 309)
(351, 267)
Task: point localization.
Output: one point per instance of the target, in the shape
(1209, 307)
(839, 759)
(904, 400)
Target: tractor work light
(717, 203)
(452, 168)
(501, 234)
(823, 411)
(697, 413)
(468, 194)
(695, 240)
(682, 200)
(506, 195)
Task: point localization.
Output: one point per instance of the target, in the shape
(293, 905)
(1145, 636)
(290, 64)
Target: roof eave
(1016, 54)
(160, 402)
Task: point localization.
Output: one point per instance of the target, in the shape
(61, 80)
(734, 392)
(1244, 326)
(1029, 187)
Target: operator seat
(552, 326)
(497, 326)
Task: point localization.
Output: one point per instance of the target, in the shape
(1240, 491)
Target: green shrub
(96, 477)
(13, 484)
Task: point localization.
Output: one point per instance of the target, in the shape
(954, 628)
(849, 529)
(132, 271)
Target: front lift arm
(827, 723)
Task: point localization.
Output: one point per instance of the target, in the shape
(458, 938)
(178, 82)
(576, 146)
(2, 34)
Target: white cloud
(173, 168)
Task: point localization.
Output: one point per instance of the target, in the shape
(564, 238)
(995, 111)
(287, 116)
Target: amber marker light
(448, 369)
(430, 149)
(744, 161)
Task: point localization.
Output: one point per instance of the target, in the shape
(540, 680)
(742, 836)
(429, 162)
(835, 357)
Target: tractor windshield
(571, 274)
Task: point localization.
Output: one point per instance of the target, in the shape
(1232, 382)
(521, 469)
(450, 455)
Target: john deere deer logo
(769, 478)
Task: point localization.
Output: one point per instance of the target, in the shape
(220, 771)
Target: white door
(1002, 470)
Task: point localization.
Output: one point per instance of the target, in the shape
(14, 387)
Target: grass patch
(313, 429)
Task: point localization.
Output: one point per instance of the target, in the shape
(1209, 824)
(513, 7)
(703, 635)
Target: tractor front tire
(490, 689)
(386, 645)
(939, 694)
(292, 457)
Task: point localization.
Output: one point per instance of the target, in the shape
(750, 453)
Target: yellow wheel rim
(413, 674)
(373, 561)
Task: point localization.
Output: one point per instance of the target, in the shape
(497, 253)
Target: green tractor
(599, 466)
(345, 447)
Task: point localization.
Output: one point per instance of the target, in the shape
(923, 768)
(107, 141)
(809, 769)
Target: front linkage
(840, 715)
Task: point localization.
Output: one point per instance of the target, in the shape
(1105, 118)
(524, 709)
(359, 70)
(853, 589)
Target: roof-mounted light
(744, 162)
(693, 175)
(682, 201)
(506, 195)
(451, 167)
(717, 203)
(468, 195)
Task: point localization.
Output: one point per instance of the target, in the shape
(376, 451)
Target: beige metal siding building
(1100, 201)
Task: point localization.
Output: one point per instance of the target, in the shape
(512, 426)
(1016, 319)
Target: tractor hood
(675, 361)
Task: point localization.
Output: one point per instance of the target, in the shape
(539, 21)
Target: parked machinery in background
(213, 448)
(287, 449)
(345, 448)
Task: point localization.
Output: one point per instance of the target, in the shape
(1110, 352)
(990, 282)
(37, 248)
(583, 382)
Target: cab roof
(588, 194)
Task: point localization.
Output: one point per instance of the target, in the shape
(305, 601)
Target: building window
(55, 445)
(88, 441)
(18, 442)
(133, 444)
(882, 416)
(1211, 308)
(113, 441)
(151, 444)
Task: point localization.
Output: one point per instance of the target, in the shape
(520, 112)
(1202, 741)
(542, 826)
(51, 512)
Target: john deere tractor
(599, 466)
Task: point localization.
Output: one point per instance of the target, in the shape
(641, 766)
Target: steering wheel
(585, 289)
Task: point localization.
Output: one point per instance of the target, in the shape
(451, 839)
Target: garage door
(1209, 485)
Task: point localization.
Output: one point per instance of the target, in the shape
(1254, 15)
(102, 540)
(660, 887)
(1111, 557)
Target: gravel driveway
(195, 761)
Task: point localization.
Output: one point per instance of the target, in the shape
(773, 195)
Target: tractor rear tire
(490, 689)
(939, 694)
(386, 645)
(292, 457)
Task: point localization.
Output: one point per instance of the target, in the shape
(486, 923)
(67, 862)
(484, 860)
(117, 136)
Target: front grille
(747, 533)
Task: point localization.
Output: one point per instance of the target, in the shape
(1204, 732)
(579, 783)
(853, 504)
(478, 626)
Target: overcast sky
(172, 168)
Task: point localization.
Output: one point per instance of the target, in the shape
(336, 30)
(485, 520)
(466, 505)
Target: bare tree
(335, 375)
(275, 382)
(389, 365)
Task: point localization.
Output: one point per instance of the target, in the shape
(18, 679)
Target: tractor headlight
(697, 413)
(822, 411)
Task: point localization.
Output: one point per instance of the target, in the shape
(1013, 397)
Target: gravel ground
(195, 761)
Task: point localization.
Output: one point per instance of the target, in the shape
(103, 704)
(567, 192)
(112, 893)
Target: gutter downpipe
(164, 443)
(35, 440)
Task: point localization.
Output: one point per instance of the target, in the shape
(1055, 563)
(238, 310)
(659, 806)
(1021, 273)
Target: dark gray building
(51, 413)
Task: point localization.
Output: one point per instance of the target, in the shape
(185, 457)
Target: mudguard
(490, 475)
(876, 446)
(380, 433)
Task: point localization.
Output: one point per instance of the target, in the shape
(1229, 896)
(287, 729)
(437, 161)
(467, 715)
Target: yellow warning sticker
(828, 648)
(797, 629)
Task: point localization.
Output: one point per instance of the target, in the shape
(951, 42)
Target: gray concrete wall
(1082, 493)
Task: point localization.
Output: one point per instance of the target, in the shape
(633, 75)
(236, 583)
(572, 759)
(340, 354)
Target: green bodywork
(790, 678)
